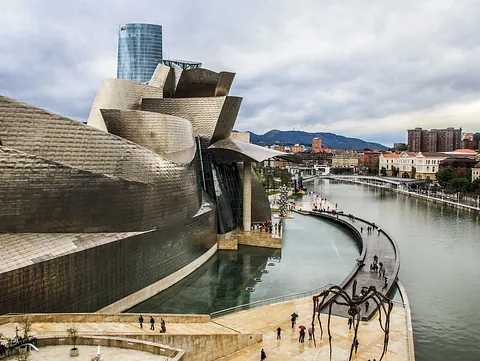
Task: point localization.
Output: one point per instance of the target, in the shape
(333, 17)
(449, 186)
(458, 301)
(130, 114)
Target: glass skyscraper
(139, 51)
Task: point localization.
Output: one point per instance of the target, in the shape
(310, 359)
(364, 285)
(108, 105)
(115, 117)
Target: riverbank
(427, 198)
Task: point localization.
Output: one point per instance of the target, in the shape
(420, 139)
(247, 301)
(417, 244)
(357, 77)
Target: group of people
(378, 267)
(268, 226)
(163, 328)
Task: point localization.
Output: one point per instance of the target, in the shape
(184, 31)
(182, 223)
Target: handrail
(269, 301)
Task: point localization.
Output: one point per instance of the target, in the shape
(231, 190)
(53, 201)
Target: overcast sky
(368, 69)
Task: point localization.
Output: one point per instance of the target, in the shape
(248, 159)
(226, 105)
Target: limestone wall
(102, 317)
(205, 347)
(259, 239)
(138, 345)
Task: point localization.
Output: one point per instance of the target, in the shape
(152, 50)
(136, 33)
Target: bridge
(387, 182)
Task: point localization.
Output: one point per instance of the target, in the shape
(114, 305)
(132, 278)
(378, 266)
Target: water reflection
(314, 253)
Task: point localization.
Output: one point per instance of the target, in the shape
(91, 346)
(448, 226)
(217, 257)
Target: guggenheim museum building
(112, 212)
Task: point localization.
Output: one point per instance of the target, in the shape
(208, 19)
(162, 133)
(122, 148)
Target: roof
(433, 154)
(465, 151)
(390, 155)
(233, 150)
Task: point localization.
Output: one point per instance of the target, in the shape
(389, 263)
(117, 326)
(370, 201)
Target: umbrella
(302, 327)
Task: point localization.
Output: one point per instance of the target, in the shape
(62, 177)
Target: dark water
(440, 266)
(314, 253)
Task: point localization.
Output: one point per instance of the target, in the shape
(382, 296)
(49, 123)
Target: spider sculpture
(336, 295)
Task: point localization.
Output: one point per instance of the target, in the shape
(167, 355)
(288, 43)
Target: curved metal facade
(90, 214)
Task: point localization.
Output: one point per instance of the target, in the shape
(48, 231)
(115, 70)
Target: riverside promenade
(375, 243)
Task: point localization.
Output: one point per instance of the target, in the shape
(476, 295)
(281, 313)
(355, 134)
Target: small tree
(26, 326)
(72, 332)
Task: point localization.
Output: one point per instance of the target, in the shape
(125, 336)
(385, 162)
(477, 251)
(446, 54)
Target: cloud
(362, 68)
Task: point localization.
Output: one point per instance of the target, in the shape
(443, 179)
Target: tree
(395, 171)
(72, 332)
(376, 166)
(444, 176)
(383, 171)
(26, 326)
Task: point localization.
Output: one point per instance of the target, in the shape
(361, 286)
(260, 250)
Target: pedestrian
(376, 267)
(162, 326)
(366, 306)
(140, 321)
(310, 333)
(294, 319)
(279, 333)
(152, 323)
(263, 355)
(335, 205)
(361, 229)
(378, 229)
(279, 228)
(301, 339)
(375, 259)
(356, 345)
(350, 323)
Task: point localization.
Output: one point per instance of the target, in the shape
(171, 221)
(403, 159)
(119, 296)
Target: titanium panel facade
(120, 94)
(91, 214)
(172, 137)
(90, 279)
(203, 113)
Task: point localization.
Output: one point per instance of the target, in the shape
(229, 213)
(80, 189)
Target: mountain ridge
(329, 140)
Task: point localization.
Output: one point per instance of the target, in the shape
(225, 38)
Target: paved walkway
(376, 244)
(266, 320)
(116, 328)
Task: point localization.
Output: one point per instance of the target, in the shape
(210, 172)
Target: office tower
(316, 145)
(139, 51)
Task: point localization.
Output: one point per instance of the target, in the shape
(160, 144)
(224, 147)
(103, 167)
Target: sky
(361, 68)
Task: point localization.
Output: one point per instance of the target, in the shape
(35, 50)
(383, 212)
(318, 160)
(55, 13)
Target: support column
(247, 196)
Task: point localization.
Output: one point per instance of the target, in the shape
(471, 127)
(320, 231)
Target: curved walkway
(376, 243)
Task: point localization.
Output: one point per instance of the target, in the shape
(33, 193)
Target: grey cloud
(318, 65)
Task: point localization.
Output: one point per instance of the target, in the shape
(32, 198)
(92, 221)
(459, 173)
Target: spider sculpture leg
(380, 300)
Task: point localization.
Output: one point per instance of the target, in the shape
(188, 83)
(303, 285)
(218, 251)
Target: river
(439, 265)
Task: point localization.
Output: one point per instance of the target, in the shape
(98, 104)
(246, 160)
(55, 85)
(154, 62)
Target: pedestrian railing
(269, 301)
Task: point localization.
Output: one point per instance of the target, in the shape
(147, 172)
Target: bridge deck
(376, 244)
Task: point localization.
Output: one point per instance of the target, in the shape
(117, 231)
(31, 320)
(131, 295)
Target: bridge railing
(269, 301)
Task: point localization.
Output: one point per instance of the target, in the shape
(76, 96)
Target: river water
(439, 265)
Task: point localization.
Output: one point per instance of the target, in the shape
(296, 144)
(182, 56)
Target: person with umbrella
(302, 328)
(294, 319)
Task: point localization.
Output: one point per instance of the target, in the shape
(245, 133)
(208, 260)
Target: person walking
(361, 229)
(163, 328)
(350, 323)
(279, 333)
(366, 306)
(301, 338)
(378, 229)
(263, 355)
(152, 323)
(140, 321)
(294, 319)
(356, 345)
(310, 333)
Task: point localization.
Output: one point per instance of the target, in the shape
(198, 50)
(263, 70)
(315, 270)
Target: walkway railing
(269, 301)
